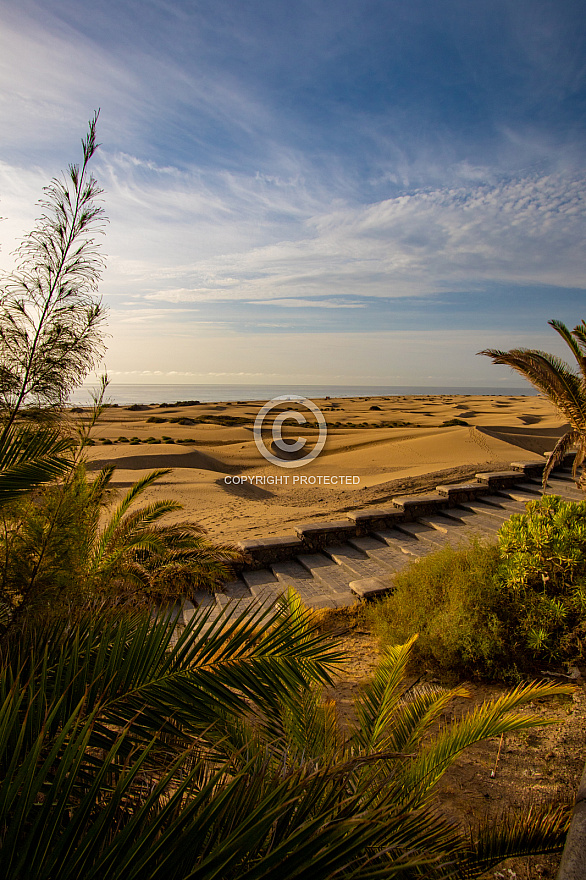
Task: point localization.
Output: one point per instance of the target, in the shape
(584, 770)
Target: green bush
(543, 577)
(495, 610)
(451, 599)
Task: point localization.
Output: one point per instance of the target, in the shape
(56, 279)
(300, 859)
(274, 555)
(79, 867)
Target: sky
(333, 191)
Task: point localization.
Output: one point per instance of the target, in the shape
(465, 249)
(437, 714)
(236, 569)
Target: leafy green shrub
(495, 610)
(453, 422)
(543, 576)
(157, 420)
(451, 598)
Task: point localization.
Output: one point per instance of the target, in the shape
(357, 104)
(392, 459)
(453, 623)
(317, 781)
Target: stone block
(319, 534)
(414, 506)
(264, 551)
(459, 492)
(498, 479)
(367, 520)
(369, 587)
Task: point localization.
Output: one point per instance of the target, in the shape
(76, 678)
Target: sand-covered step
(332, 578)
(384, 555)
(356, 563)
(293, 574)
(397, 540)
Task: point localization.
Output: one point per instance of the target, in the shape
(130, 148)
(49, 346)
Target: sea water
(156, 394)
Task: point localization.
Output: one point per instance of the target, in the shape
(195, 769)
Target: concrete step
(508, 505)
(458, 532)
(368, 588)
(423, 534)
(236, 589)
(332, 578)
(355, 562)
(531, 485)
(492, 500)
(387, 557)
(475, 519)
(440, 523)
(263, 585)
(522, 495)
(564, 474)
(397, 540)
(488, 511)
(293, 574)
(565, 488)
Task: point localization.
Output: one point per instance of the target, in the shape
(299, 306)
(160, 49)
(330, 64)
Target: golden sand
(209, 458)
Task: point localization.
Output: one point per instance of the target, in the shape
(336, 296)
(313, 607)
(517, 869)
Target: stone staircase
(338, 564)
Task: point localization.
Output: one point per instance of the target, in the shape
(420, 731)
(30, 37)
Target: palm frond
(550, 375)
(574, 343)
(488, 720)
(533, 832)
(29, 458)
(562, 447)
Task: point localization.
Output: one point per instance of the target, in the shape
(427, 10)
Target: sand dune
(386, 444)
(535, 440)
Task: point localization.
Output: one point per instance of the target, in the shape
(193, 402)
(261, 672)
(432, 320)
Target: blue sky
(325, 191)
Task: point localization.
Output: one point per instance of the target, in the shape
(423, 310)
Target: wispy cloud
(528, 230)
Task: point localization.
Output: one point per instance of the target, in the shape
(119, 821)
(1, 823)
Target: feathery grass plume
(50, 319)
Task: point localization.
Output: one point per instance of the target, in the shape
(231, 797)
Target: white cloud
(518, 231)
(309, 303)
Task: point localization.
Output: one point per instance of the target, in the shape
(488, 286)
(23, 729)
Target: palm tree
(565, 388)
(61, 547)
(162, 560)
(127, 754)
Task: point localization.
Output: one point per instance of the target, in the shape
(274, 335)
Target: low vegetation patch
(450, 598)
(497, 610)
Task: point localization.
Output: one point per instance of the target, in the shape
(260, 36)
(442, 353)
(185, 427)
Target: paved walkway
(336, 565)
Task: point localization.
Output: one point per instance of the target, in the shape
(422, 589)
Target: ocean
(157, 394)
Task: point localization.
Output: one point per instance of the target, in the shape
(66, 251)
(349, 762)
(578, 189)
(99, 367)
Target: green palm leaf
(29, 458)
(565, 389)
